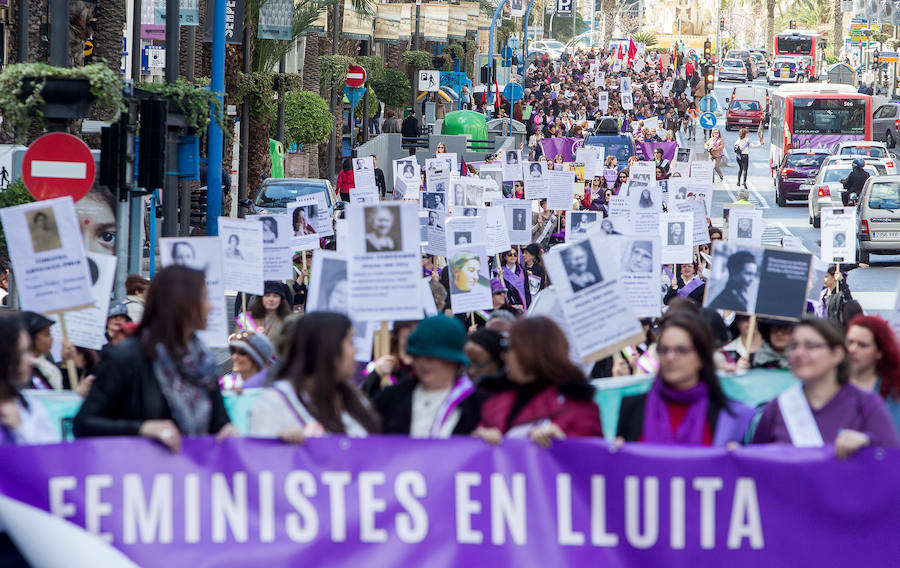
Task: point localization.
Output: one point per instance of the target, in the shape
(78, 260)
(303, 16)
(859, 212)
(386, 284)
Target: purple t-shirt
(851, 408)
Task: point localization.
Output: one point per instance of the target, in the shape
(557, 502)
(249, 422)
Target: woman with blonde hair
(716, 148)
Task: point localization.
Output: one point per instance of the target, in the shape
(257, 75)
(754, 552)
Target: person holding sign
(834, 295)
(687, 284)
(686, 404)
(515, 278)
(825, 407)
(313, 394)
(440, 401)
(162, 382)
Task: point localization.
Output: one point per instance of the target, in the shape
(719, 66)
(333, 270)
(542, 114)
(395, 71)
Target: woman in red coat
(546, 397)
(345, 180)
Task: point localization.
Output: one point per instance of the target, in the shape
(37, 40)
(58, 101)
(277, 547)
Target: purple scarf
(686, 290)
(516, 279)
(658, 428)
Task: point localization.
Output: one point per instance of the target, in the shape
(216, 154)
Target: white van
(753, 93)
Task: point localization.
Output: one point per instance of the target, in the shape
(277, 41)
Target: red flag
(620, 54)
(632, 49)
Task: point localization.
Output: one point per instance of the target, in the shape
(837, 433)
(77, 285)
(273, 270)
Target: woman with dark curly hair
(875, 360)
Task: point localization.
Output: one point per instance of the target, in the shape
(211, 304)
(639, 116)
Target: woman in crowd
(485, 349)
(45, 374)
(691, 121)
(547, 397)
(440, 401)
(716, 148)
(875, 360)
(686, 404)
(162, 382)
(742, 152)
(533, 262)
(736, 357)
(773, 353)
(251, 355)
(621, 178)
(313, 394)
(516, 279)
(345, 180)
(834, 295)
(686, 284)
(136, 287)
(393, 368)
(269, 310)
(826, 408)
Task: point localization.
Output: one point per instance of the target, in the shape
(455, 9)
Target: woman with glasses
(773, 353)
(825, 408)
(621, 178)
(516, 280)
(251, 355)
(440, 149)
(686, 404)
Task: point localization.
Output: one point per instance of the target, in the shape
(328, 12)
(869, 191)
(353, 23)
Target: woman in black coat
(162, 383)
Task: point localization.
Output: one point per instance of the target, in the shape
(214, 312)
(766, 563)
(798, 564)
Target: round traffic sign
(56, 165)
(709, 104)
(513, 92)
(356, 76)
(707, 120)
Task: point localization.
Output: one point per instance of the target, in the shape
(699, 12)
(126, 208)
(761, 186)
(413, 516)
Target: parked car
(868, 149)
(798, 167)
(827, 189)
(749, 62)
(733, 70)
(783, 71)
(277, 193)
(551, 47)
(878, 218)
(744, 114)
(886, 123)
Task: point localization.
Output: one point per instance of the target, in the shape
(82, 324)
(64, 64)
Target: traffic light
(722, 24)
(707, 49)
(710, 78)
(152, 150)
(793, 24)
(877, 58)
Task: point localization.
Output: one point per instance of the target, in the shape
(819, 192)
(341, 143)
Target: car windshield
(554, 45)
(784, 65)
(745, 105)
(870, 151)
(884, 195)
(732, 63)
(278, 195)
(805, 160)
(835, 174)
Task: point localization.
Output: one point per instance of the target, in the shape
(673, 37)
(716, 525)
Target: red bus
(805, 45)
(817, 115)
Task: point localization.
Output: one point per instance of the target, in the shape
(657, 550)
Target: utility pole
(244, 132)
(22, 31)
(280, 116)
(214, 149)
(170, 190)
(59, 33)
(718, 19)
(336, 137)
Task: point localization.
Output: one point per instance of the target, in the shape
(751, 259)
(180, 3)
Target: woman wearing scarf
(516, 280)
(313, 394)
(687, 284)
(685, 404)
(162, 382)
(440, 400)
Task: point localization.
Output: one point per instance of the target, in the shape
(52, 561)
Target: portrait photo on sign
(332, 286)
(675, 233)
(462, 238)
(474, 195)
(459, 194)
(435, 219)
(582, 269)
(470, 211)
(578, 223)
(518, 218)
(535, 170)
(638, 257)
(233, 249)
(183, 253)
(269, 229)
(512, 157)
(303, 218)
(734, 278)
(434, 200)
(383, 228)
(468, 272)
(43, 229)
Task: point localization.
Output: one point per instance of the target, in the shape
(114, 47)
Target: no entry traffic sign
(356, 76)
(56, 165)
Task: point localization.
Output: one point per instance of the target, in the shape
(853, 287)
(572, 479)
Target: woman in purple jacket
(825, 408)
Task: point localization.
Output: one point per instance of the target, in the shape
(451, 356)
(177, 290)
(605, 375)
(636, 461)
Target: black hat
(35, 322)
(492, 341)
(280, 288)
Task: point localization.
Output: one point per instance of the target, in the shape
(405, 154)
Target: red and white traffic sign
(56, 165)
(356, 76)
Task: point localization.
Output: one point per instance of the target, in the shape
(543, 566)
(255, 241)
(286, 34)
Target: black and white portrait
(638, 257)
(512, 157)
(534, 170)
(184, 254)
(606, 225)
(233, 250)
(459, 194)
(434, 219)
(645, 201)
(734, 282)
(518, 219)
(383, 231)
(840, 239)
(434, 200)
(269, 229)
(581, 266)
(43, 229)
(462, 238)
(470, 212)
(745, 228)
(675, 233)
(474, 195)
(333, 286)
(581, 222)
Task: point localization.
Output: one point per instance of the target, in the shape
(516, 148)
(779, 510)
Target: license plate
(885, 235)
(745, 121)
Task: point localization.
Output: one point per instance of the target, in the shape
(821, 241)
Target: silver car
(827, 188)
(886, 124)
(733, 69)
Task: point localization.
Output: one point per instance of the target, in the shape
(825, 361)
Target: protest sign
(47, 253)
(586, 279)
(640, 260)
(496, 231)
(745, 225)
(682, 162)
(385, 263)
(619, 220)
(364, 172)
(791, 242)
(754, 280)
(645, 204)
(838, 234)
(436, 235)
(423, 228)
(276, 246)
(364, 194)
(328, 292)
(451, 162)
(457, 195)
(536, 181)
(304, 214)
(625, 84)
(492, 174)
(561, 192)
(204, 254)
(676, 231)
(627, 101)
(702, 170)
(578, 223)
(434, 200)
(406, 178)
(339, 498)
(518, 214)
(242, 249)
(463, 231)
(474, 189)
(87, 327)
(592, 157)
(512, 165)
(695, 208)
(470, 279)
(603, 101)
(437, 175)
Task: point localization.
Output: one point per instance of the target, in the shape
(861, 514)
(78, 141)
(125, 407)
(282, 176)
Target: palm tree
(770, 25)
(311, 82)
(108, 35)
(837, 36)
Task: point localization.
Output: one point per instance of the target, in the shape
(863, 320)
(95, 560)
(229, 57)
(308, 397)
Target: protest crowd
(488, 300)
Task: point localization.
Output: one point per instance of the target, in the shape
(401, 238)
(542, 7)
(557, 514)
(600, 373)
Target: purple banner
(393, 501)
(565, 146)
(825, 141)
(644, 150)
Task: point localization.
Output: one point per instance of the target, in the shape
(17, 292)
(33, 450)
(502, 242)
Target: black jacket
(696, 294)
(126, 393)
(855, 181)
(631, 417)
(394, 404)
(379, 181)
(410, 127)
